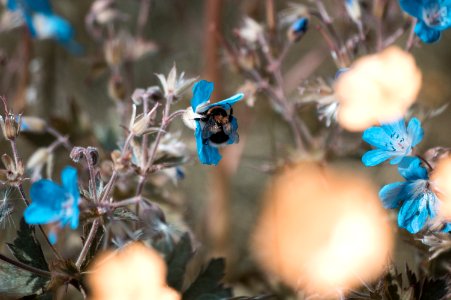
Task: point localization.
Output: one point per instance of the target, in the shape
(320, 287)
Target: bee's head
(219, 114)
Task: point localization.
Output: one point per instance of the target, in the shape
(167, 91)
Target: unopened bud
(116, 89)
(353, 9)
(93, 154)
(115, 51)
(77, 153)
(38, 158)
(10, 126)
(33, 124)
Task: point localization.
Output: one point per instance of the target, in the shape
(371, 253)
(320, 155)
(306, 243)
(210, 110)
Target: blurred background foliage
(219, 204)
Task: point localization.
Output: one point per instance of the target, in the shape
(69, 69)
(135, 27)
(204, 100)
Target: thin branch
(25, 267)
(84, 251)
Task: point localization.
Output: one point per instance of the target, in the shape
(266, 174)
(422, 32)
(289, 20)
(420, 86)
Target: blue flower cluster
(415, 198)
(432, 17)
(43, 23)
(52, 203)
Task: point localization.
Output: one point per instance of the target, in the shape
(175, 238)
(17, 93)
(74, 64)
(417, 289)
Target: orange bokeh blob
(441, 181)
(135, 272)
(322, 231)
(377, 88)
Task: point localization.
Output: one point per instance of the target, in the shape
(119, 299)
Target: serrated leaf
(15, 282)
(436, 289)
(177, 262)
(27, 249)
(124, 214)
(208, 283)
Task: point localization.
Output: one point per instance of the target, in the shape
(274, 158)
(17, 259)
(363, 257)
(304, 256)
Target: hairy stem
(84, 251)
(25, 267)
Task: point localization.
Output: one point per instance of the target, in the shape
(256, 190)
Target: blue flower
(43, 23)
(214, 126)
(417, 201)
(52, 203)
(432, 17)
(392, 141)
(298, 29)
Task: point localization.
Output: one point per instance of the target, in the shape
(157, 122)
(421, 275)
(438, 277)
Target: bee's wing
(225, 104)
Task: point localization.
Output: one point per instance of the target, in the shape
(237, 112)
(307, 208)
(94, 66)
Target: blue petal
(73, 219)
(418, 221)
(201, 93)
(407, 212)
(233, 138)
(40, 6)
(396, 160)
(69, 180)
(208, 155)
(70, 183)
(11, 5)
(392, 194)
(375, 157)
(376, 136)
(425, 33)
(47, 193)
(411, 169)
(225, 104)
(38, 214)
(398, 127)
(30, 6)
(300, 25)
(447, 227)
(415, 131)
(52, 237)
(47, 198)
(412, 7)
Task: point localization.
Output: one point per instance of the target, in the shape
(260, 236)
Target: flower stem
(84, 251)
(25, 267)
(25, 199)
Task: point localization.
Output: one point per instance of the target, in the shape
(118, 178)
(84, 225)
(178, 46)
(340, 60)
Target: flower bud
(33, 124)
(10, 126)
(38, 158)
(353, 10)
(115, 51)
(77, 153)
(116, 88)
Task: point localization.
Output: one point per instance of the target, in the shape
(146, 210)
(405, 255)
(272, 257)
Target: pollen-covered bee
(219, 127)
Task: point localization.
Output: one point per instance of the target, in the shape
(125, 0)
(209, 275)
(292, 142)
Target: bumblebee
(218, 127)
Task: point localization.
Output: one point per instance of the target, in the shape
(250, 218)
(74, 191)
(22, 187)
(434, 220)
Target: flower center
(398, 143)
(435, 15)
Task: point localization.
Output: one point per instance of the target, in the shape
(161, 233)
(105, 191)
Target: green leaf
(27, 249)
(177, 262)
(15, 282)
(208, 284)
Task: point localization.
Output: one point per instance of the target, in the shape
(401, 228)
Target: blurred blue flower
(298, 29)
(417, 201)
(214, 127)
(432, 17)
(392, 141)
(43, 23)
(52, 203)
